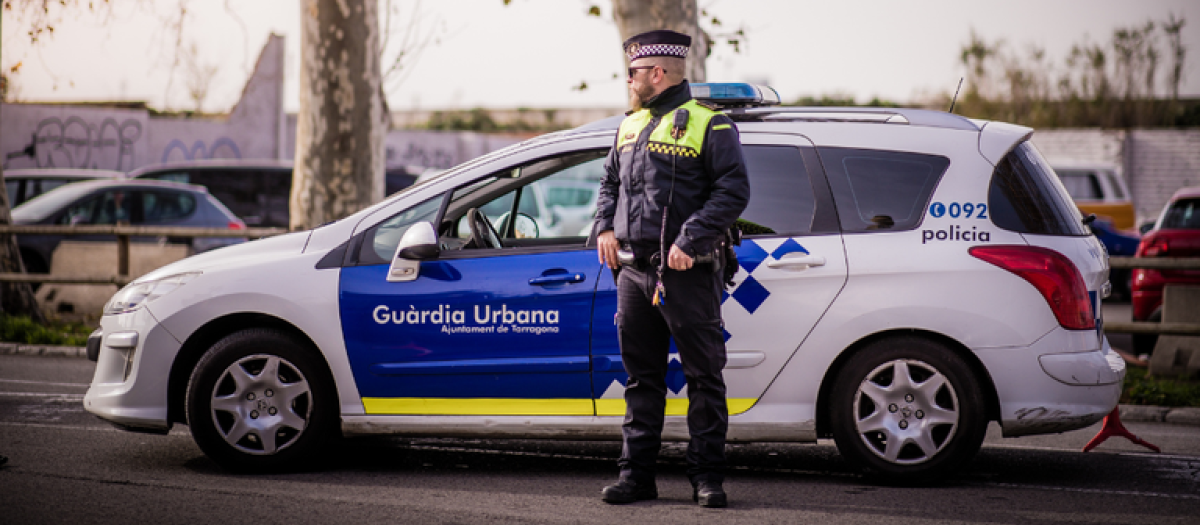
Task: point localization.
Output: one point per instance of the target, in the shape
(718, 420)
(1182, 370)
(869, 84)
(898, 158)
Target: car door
(792, 267)
(480, 331)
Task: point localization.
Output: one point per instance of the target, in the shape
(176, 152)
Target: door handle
(560, 278)
(798, 261)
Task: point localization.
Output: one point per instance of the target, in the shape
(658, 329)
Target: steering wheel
(483, 235)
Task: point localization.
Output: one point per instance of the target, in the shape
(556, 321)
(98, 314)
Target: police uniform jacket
(711, 187)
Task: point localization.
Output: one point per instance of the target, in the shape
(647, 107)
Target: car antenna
(955, 99)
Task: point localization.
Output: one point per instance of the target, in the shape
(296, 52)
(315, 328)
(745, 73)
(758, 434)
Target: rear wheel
(259, 400)
(34, 264)
(908, 410)
(1143, 344)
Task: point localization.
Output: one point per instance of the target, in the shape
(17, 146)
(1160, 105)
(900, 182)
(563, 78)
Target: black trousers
(692, 316)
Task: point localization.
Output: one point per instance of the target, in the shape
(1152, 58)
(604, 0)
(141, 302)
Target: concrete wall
(80, 136)
(73, 136)
(1161, 162)
(1155, 162)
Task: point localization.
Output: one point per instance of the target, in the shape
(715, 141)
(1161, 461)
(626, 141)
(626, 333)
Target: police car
(908, 277)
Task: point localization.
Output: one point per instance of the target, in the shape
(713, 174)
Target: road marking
(177, 431)
(63, 397)
(1150, 455)
(27, 382)
(59, 427)
(476, 450)
(1094, 491)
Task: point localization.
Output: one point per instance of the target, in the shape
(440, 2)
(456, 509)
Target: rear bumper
(1047, 388)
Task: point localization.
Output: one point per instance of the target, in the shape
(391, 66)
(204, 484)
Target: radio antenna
(955, 99)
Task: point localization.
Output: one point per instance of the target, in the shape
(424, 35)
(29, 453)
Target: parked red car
(1176, 233)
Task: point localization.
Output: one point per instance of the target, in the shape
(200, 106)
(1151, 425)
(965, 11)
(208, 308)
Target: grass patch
(1168, 392)
(21, 329)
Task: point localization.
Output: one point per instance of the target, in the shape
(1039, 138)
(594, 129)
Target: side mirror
(418, 244)
(1145, 227)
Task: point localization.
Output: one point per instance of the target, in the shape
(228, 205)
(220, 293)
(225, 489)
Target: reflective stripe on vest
(661, 141)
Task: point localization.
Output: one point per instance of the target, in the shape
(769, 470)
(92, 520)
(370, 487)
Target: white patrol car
(911, 276)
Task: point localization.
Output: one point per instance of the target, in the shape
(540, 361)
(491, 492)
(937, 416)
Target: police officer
(675, 181)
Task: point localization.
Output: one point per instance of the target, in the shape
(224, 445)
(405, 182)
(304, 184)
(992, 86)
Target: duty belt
(626, 258)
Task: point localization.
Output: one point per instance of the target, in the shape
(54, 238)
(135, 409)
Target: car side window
(539, 224)
(881, 190)
(238, 191)
(276, 192)
(781, 194)
(380, 241)
(110, 207)
(13, 187)
(1081, 184)
(160, 207)
(534, 194)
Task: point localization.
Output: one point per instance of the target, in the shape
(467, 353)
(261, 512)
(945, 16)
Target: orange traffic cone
(1113, 427)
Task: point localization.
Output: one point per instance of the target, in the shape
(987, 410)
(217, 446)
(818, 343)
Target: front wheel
(259, 400)
(908, 410)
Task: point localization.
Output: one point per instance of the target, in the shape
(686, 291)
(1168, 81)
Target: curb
(42, 350)
(1189, 416)
(1154, 414)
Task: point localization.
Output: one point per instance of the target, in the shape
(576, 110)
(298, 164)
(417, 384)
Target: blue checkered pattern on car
(748, 292)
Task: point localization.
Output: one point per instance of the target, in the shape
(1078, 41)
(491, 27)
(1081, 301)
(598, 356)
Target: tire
(1143, 344)
(34, 264)
(907, 410)
(261, 401)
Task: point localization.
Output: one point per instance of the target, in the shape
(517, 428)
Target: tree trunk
(15, 298)
(638, 16)
(342, 123)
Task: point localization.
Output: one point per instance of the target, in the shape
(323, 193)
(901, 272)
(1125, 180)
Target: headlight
(134, 295)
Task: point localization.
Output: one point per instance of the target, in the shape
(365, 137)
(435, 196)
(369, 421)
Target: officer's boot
(628, 490)
(709, 493)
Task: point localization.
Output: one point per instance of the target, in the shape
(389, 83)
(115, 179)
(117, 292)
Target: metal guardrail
(1153, 263)
(123, 235)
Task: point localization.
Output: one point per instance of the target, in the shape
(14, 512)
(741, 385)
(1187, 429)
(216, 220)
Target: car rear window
(1026, 196)
(1182, 214)
(167, 206)
(881, 190)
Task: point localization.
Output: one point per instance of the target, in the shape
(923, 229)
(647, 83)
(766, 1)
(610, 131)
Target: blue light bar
(735, 94)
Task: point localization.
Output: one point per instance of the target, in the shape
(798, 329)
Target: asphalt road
(66, 466)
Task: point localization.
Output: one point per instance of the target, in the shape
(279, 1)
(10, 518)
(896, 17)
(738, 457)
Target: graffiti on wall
(74, 143)
(222, 148)
(418, 155)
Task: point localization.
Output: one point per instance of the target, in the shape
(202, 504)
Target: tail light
(237, 225)
(1152, 247)
(1054, 275)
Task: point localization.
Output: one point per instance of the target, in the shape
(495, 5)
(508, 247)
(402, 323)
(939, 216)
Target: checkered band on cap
(636, 51)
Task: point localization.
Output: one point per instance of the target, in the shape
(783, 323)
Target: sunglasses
(633, 69)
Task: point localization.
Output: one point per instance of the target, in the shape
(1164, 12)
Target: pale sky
(531, 52)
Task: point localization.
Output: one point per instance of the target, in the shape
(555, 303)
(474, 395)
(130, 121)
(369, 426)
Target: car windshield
(1184, 214)
(47, 203)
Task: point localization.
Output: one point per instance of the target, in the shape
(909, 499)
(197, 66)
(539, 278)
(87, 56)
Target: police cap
(658, 43)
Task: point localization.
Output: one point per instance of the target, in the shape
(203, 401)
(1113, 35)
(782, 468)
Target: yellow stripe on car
(450, 406)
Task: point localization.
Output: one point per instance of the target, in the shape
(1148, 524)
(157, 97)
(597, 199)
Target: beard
(638, 99)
